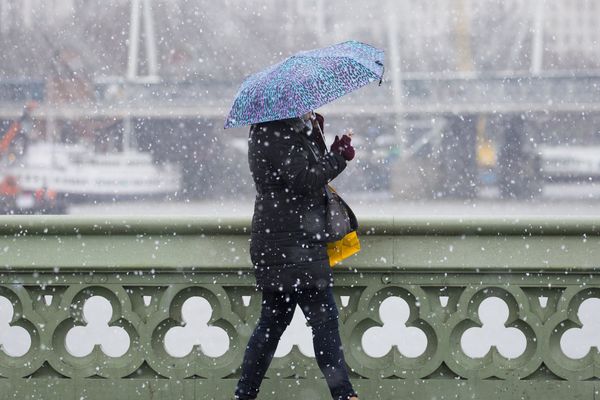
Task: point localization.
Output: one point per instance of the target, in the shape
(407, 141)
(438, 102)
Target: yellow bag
(342, 249)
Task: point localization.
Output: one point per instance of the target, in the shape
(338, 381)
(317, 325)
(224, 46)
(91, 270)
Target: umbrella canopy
(304, 82)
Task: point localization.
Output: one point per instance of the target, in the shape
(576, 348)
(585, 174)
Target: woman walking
(291, 167)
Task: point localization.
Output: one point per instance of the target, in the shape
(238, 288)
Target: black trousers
(277, 311)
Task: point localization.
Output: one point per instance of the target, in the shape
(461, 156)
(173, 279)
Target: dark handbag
(340, 218)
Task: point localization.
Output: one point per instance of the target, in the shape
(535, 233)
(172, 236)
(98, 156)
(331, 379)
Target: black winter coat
(290, 168)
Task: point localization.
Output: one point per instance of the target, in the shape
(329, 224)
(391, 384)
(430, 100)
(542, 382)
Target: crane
(15, 129)
(12, 198)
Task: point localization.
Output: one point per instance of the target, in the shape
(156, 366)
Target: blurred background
(118, 106)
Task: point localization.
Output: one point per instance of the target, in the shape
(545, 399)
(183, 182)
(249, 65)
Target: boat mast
(537, 50)
(141, 12)
(393, 10)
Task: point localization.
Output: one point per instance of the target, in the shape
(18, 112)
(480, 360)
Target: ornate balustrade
(162, 307)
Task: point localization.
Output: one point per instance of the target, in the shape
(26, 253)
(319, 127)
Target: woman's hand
(343, 146)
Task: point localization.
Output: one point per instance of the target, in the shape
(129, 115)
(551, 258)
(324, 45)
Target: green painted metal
(148, 267)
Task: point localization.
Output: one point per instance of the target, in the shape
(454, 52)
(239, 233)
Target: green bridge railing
(410, 304)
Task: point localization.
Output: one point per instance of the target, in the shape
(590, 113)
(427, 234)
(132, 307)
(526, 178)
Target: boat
(78, 172)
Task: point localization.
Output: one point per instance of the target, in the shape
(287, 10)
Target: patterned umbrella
(304, 82)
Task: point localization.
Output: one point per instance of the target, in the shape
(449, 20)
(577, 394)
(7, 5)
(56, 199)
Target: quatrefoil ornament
(113, 340)
(409, 340)
(378, 331)
(212, 340)
(96, 333)
(21, 333)
(15, 341)
(494, 333)
(573, 335)
(576, 343)
(476, 342)
(195, 333)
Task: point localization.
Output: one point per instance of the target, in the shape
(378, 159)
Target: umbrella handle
(318, 127)
(382, 71)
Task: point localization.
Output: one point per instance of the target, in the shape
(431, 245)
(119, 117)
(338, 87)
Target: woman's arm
(289, 157)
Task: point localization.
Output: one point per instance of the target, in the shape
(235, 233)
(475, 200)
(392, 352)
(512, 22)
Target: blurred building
(572, 26)
(422, 20)
(242, 36)
(25, 14)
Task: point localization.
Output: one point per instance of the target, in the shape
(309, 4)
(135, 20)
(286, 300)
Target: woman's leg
(276, 314)
(322, 314)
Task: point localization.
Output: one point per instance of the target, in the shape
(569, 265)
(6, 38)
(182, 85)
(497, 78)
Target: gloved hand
(342, 146)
